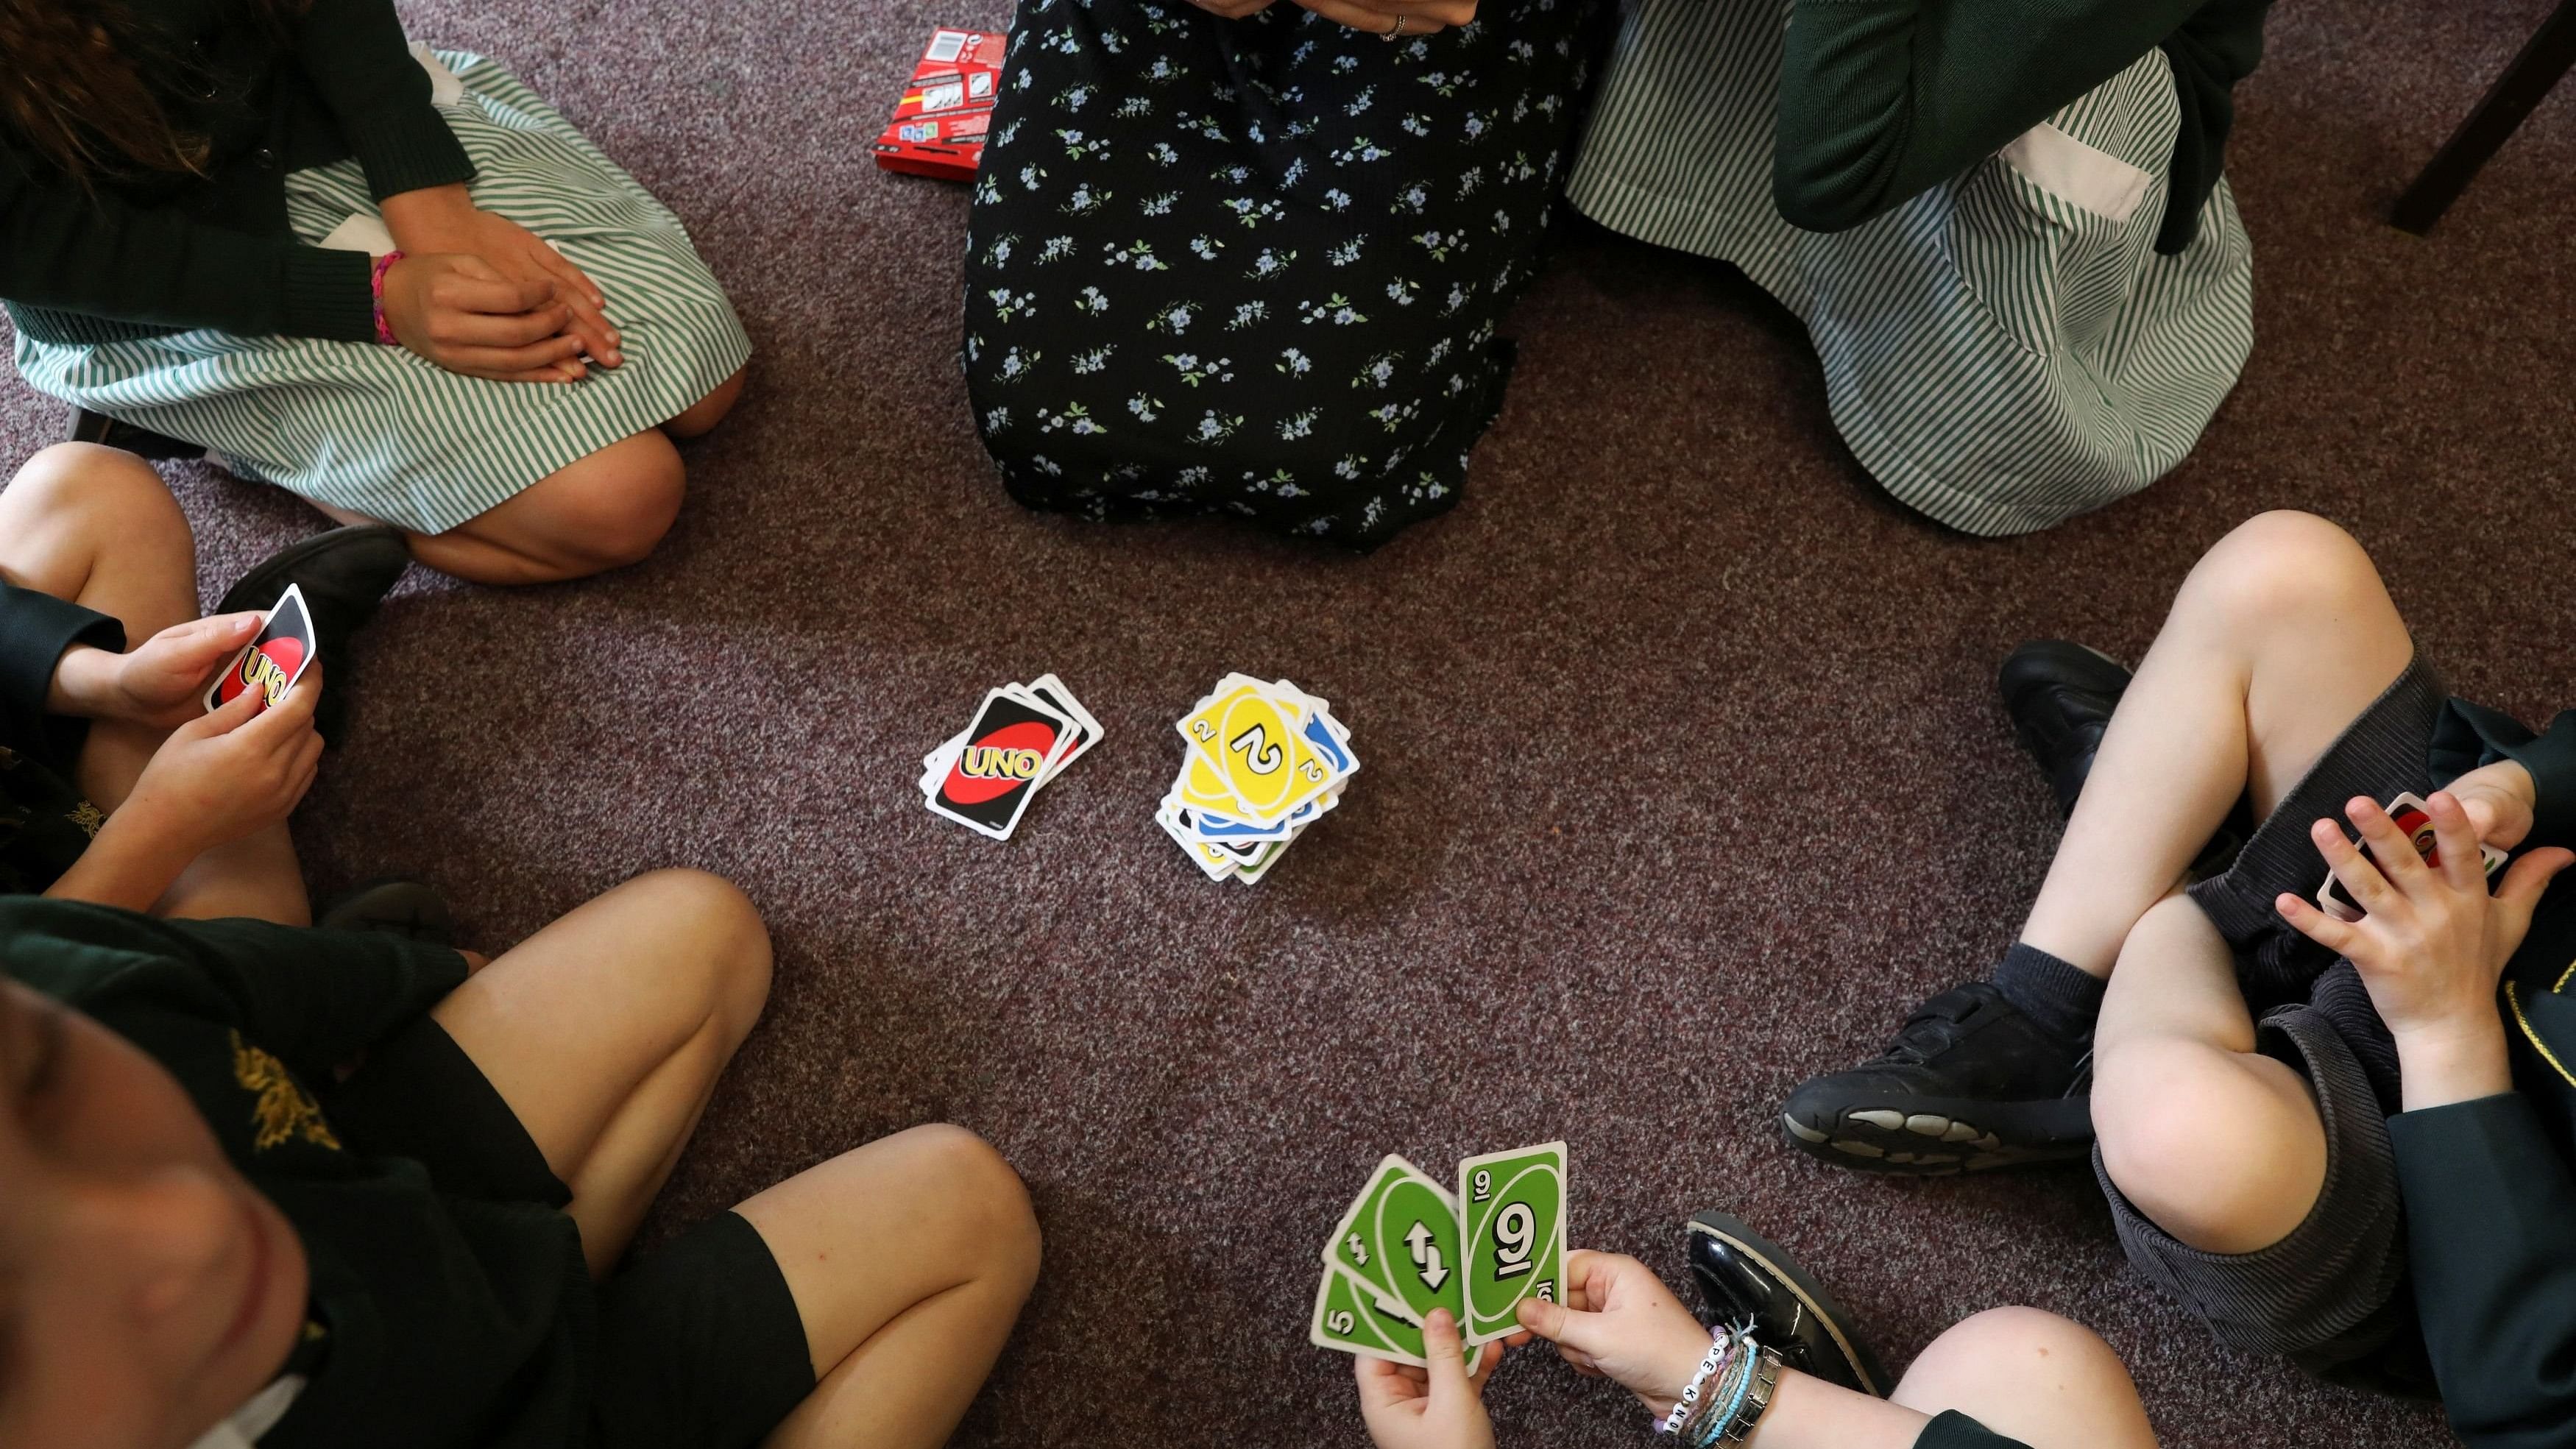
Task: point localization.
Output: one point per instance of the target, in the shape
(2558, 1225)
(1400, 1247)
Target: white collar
(247, 1423)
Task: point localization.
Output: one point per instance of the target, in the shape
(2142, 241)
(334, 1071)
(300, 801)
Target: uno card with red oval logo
(274, 659)
(1007, 752)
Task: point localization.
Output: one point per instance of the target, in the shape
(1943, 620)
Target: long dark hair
(76, 87)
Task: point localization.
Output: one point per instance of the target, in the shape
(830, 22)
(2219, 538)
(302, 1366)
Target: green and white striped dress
(2001, 352)
(391, 435)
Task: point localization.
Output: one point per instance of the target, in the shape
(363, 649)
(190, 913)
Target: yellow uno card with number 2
(1250, 741)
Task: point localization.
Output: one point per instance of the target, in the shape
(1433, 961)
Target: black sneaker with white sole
(1970, 1083)
(2061, 695)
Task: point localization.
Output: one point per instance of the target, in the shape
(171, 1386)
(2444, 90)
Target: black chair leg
(2522, 86)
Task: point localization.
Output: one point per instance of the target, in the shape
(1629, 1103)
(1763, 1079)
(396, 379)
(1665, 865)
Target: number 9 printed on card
(1407, 1245)
(1261, 762)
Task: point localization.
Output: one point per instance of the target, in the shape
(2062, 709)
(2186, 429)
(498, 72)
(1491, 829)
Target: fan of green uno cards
(1409, 1245)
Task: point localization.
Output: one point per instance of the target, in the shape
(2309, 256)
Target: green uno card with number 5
(1511, 1222)
(1348, 1317)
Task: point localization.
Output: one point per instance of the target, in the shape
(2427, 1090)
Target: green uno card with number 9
(1511, 1208)
(1400, 1240)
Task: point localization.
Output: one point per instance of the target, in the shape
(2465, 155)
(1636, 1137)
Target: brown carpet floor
(1685, 774)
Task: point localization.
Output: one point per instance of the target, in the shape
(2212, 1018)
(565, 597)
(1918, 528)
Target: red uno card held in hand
(938, 126)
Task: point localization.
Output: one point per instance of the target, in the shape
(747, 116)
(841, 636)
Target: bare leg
(602, 512)
(2025, 1374)
(98, 527)
(2281, 635)
(606, 1031)
(909, 1259)
(703, 415)
(2216, 1144)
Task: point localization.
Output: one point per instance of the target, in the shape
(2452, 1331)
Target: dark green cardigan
(165, 251)
(438, 1318)
(1881, 100)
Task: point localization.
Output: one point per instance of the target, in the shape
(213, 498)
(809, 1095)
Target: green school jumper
(2003, 221)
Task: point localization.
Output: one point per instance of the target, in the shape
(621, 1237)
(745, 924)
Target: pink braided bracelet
(376, 286)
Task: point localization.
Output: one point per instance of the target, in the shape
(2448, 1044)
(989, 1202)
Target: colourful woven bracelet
(376, 287)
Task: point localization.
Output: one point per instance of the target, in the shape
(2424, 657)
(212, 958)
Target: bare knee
(2196, 1144)
(2008, 1355)
(985, 1211)
(702, 415)
(2284, 568)
(728, 956)
(606, 511)
(107, 492)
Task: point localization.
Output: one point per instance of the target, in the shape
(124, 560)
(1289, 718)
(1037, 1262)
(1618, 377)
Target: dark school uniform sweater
(437, 1320)
(35, 631)
(2490, 1199)
(45, 823)
(1881, 100)
(169, 251)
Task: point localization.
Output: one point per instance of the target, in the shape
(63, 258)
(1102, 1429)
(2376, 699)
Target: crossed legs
(908, 1258)
(597, 513)
(2280, 637)
(98, 527)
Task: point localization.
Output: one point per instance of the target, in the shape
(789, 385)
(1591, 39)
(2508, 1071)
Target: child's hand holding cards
(2413, 819)
(1408, 1245)
(275, 658)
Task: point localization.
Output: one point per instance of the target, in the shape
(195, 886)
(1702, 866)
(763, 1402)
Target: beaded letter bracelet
(1729, 1396)
(1723, 1344)
(376, 287)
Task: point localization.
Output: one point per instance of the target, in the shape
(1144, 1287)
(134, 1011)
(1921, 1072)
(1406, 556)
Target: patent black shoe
(344, 574)
(1970, 1083)
(393, 906)
(2060, 696)
(1744, 1278)
(90, 427)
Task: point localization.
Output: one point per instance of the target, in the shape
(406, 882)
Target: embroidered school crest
(283, 1110)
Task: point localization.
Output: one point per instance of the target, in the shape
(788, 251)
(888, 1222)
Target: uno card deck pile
(1022, 737)
(1260, 763)
(2413, 819)
(1408, 1245)
(275, 657)
(938, 126)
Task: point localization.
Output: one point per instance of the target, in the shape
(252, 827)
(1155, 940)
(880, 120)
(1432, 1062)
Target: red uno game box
(938, 129)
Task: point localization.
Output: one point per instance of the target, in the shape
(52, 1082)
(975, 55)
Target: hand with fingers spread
(443, 221)
(158, 681)
(1396, 19)
(1620, 1322)
(2433, 943)
(1439, 1407)
(224, 775)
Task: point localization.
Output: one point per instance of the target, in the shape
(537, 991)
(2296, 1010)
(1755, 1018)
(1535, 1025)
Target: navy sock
(2062, 998)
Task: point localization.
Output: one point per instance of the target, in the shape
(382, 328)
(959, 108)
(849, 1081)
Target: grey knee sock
(2062, 998)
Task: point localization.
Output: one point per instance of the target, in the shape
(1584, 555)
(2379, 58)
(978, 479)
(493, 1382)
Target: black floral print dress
(1258, 265)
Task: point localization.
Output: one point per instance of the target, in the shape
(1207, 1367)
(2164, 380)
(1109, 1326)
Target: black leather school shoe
(1744, 1278)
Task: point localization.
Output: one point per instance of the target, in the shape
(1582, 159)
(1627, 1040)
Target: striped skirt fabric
(385, 433)
(2001, 352)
